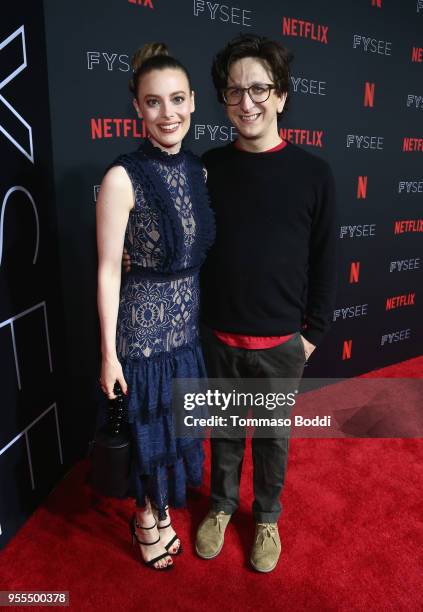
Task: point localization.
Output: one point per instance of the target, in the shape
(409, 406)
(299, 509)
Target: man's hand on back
(126, 261)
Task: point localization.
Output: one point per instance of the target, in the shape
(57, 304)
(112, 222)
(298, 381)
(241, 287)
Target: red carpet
(352, 537)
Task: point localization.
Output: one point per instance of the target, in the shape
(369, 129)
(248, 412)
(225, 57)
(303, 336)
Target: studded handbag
(111, 451)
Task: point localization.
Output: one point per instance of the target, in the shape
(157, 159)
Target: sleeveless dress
(167, 236)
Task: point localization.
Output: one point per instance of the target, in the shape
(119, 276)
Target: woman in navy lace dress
(154, 203)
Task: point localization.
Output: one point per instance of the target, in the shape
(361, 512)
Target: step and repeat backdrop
(356, 100)
(33, 420)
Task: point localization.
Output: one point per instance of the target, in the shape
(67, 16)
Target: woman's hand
(111, 372)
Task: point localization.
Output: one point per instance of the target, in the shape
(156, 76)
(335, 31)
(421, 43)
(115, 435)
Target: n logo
(362, 188)
(11, 115)
(369, 94)
(347, 350)
(377, 3)
(354, 272)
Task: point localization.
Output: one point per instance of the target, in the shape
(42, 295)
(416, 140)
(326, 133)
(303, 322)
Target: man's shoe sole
(264, 571)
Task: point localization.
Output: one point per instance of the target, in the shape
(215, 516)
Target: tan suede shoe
(211, 534)
(267, 547)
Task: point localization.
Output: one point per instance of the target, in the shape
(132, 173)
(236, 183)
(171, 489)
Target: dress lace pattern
(156, 317)
(162, 235)
(168, 233)
(175, 179)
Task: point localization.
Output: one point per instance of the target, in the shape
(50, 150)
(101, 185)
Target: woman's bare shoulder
(117, 177)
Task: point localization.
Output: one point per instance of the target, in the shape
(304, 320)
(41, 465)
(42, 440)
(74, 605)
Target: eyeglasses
(259, 92)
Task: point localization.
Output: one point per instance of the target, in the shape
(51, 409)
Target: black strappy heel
(175, 537)
(132, 527)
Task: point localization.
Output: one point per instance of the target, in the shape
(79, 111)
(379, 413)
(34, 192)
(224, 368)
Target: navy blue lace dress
(169, 231)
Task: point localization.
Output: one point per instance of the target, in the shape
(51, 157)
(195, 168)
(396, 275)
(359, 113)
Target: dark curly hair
(276, 57)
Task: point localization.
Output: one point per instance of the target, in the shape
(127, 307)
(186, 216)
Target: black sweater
(272, 268)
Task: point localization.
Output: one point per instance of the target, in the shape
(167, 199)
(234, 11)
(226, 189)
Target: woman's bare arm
(114, 202)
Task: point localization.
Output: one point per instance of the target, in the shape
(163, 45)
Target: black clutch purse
(111, 451)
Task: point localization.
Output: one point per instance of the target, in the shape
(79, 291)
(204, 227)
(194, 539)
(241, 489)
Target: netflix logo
(346, 350)
(400, 301)
(369, 94)
(397, 336)
(408, 226)
(362, 188)
(412, 144)
(146, 3)
(312, 138)
(354, 272)
(305, 29)
(372, 45)
(117, 128)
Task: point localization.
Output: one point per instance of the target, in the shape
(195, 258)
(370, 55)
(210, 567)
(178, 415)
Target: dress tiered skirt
(163, 466)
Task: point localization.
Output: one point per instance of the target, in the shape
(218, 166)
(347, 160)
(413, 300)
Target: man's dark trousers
(270, 455)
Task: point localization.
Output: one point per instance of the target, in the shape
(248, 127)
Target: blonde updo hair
(149, 57)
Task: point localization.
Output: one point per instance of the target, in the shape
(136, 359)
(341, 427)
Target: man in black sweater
(268, 285)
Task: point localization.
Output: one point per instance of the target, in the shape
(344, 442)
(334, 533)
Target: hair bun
(152, 56)
(145, 52)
